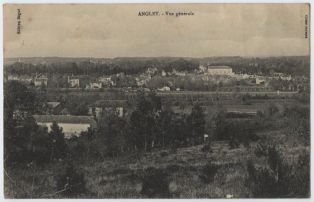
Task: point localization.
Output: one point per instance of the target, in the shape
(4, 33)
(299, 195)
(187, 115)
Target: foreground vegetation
(185, 173)
(155, 153)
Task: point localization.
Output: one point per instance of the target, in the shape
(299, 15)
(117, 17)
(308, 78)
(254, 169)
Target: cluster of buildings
(216, 70)
(205, 72)
(75, 125)
(41, 80)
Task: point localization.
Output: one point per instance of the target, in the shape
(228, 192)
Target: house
(20, 115)
(216, 70)
(278, 74)
(40, 81)
(151, 70)
(116, 107)
(178, 73)
(95, 111)
(165, 88)
(74, 81)
(106, 81)
(163, 73)
(259, 81)
(142, 79)
(21, 78)
(13, 78)
(71, 125)
(94, 85)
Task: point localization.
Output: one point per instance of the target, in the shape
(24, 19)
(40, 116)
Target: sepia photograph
(143, 101)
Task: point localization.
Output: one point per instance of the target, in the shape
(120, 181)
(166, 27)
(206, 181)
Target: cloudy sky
(118, 31)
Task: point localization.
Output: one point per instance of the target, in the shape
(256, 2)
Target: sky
(116, 30)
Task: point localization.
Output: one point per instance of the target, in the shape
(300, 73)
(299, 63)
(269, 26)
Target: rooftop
(64, 119)
(218, 67)
(53, 104)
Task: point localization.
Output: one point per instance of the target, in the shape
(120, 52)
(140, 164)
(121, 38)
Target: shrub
(261, 181)
(71, 183)
(261, 149)
(234, 141)
(155, 184)
(207, 148)
(164, 153)
(208, 172)
(278, 179)
(302, 176)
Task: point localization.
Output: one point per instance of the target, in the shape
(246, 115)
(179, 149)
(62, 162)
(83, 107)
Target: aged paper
(156, 100)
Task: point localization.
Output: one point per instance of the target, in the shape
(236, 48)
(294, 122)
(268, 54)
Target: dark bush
(261, 181)
(206, 148)
(155, 184)
(164, 153)
(234, 141)
(71, 183)
(278, 179)
(208, 172)
(174, 168)
(302, 176)
(261, 149)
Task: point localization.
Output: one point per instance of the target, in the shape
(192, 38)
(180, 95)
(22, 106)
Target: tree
(21, 101)
(77, 108)
(113, 132)
(165, 135)
(40, 143)
(143, 122)
(196, 122)
(18, 96)
(58, 145)
(221, 130)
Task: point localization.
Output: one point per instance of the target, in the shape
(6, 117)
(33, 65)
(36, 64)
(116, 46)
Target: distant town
(157, 127)
(176, 79)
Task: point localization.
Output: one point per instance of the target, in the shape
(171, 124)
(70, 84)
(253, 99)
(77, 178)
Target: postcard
(135, 101)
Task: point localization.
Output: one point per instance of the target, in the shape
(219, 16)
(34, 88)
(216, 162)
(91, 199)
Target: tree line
(126, 66)
(130, 66)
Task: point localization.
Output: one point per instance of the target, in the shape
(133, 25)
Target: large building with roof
(216, 70)
(71, 125)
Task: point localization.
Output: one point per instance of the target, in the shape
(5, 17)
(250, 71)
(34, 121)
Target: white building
(74, 82)
(106, 81)
(22, 78)
(177, 73)
(71, 125)
(151, 70)
(163, 73)
(95, 111)
(40, 81)
(216, 70)
(102, 107)
(259, 81)
(94, 85)
(165, 88)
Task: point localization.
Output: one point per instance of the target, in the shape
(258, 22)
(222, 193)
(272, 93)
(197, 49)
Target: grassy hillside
(190, 172)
